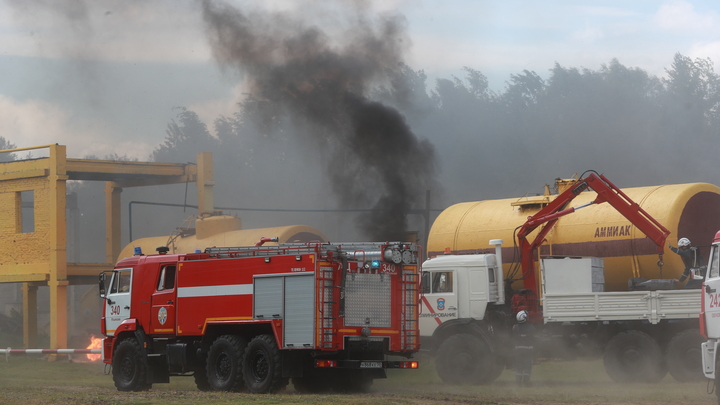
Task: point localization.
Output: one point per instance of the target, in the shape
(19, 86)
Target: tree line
(639, 129)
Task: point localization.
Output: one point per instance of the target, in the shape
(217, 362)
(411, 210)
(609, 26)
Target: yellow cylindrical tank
(219, 231)
(687, 210)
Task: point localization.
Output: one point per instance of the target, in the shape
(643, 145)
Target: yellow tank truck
(593, 277)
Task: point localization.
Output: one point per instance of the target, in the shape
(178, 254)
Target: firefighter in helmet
(523, 334)
(694, 269)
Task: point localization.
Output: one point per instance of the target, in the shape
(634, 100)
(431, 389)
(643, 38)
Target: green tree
(4, 145)
(184, 139)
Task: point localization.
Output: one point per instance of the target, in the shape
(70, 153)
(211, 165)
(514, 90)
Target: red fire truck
(332, 317)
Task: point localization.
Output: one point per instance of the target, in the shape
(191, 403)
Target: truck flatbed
(653, 306)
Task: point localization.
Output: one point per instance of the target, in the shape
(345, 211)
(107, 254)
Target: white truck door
(478, 289)
(439, 301)
(117, 300)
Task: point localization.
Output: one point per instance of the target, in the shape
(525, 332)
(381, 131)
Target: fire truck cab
(329, 316)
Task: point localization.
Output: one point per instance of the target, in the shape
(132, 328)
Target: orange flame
(95, 343)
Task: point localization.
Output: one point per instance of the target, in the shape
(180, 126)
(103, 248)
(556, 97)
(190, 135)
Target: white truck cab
(459, 287)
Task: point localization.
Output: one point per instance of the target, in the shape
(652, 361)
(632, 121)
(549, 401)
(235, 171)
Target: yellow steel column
(205, 182)
(58, 247)
(29, 292)
(112, 222)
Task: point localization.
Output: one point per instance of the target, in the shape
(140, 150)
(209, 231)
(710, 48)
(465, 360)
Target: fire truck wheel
(224, 364)
(262, 368)
(465, 359)
(201, 380)
(129, 371)
(634, 356)
(684, 358)
(497, 369)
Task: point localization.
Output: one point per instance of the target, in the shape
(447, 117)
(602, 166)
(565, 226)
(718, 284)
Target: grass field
(34, 381)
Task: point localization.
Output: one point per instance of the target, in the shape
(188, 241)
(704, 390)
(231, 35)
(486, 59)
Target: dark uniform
(692, 259)
(523, 333)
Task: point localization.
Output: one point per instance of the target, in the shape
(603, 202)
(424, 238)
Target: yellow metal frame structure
(39, 258)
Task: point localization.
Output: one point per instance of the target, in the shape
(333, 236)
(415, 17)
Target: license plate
(371, 364)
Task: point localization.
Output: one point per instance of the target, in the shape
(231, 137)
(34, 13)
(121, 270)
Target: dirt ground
(29, 381)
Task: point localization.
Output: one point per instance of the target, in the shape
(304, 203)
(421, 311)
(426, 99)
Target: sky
(106, 77)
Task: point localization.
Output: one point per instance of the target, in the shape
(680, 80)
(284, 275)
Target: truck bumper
(107, 347)
(366, 364)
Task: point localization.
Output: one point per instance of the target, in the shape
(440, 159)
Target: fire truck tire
(201, 380)
(497, 370)
(684, 357)
(129, 370)
(224, 364)
(465, 359)
(634, 356)
(262, 366)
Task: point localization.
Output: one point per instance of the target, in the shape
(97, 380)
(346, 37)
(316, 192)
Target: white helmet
(522, 316)
(683, 242)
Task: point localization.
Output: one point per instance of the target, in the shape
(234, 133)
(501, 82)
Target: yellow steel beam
(28, 148)
(24, 169)
(205, 182)
(29, 315)
(124, 167)
(24, 174)
(58, 247)
(88, 269)
(154, 181)
(112, 222)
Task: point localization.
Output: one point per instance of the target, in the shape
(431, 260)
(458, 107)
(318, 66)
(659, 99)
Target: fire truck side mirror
(102, 285)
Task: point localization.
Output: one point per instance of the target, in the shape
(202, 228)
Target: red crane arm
(606, 192)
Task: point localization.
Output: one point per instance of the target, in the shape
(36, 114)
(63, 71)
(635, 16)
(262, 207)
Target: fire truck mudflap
(329, 317)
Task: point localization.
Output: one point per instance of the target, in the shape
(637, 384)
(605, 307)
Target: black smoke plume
(374, 159)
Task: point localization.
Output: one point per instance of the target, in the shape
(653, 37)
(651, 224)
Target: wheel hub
(260, 366)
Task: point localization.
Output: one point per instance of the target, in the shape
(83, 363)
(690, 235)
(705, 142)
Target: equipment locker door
(118, 300)
(300, 311)
(162, 317)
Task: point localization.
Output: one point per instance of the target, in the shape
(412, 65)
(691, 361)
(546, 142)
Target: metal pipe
(50, 351)
(7, 352)
(27, 148)
(499, 270)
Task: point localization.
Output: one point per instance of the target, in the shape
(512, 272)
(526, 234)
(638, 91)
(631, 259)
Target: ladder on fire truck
(410, 329)
(328, 294)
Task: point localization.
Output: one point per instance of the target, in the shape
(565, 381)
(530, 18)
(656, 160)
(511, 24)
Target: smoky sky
(295, 68)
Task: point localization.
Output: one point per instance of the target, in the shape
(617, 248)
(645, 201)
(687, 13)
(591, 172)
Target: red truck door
(163, 301)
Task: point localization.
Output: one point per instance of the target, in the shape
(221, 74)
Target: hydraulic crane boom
(549, 215)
